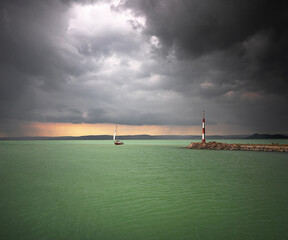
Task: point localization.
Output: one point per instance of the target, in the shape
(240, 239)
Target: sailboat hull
(118, 143)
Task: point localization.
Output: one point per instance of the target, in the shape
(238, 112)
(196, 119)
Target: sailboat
(116, 142)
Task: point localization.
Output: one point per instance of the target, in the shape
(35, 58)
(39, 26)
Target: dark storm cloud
(44, 65)
(200, 27)
(33, 55)
(237, 52)
(228, 57)
(29, 39)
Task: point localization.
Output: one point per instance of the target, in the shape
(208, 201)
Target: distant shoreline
(153, 137)
(274, 147)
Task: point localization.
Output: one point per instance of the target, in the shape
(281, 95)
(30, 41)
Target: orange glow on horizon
(39, 129)
(70, 129)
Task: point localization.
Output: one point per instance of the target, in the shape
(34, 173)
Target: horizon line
(148, 135)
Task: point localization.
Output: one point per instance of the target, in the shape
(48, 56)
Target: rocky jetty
(241, 147)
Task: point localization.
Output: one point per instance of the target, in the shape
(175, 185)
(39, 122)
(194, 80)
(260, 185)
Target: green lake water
(143, 190)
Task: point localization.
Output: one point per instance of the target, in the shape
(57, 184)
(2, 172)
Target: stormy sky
(145, 62)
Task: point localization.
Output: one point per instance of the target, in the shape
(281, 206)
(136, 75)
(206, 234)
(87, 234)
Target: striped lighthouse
(203, 128)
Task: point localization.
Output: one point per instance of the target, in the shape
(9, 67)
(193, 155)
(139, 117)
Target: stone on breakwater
(244, 147)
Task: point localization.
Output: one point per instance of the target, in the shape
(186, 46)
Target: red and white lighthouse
(203, 128)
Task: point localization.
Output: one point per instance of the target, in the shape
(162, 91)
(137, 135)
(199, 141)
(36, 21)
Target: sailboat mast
(116, 142)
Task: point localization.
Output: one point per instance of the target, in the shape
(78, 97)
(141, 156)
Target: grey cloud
(238, 47)
(27, 41)
(106, 45)
(32, 55)
(228, 57)
(198, 28)
(201, 26)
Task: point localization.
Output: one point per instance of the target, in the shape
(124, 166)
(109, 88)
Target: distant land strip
(153, 137)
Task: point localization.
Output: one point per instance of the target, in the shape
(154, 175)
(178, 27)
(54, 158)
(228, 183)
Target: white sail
(116, 142)
(114, 136)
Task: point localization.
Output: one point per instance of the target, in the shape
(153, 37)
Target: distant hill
(129, 137)
(267, 136)
(153, 137)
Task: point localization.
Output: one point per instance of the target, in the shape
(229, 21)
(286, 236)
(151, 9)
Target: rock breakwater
(240, 147)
